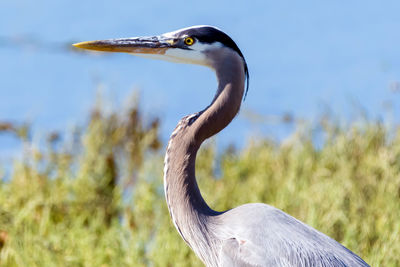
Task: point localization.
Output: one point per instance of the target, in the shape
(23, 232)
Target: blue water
(304, 57)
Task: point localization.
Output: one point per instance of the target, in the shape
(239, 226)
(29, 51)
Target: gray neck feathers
(190, 213)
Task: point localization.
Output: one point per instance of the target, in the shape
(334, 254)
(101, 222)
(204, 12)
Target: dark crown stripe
(208, 34)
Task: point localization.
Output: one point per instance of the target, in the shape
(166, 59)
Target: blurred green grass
(96, 198)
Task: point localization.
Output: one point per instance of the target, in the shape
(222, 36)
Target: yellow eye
(189, 41)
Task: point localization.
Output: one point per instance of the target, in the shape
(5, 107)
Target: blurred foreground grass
(96, 198)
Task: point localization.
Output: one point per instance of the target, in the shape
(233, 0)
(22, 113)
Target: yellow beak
(136, 45)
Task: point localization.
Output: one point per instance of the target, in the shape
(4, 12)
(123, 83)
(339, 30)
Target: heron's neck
(190, 213)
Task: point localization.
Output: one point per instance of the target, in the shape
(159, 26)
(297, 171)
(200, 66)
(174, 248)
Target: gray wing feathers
(260, 235)
(236, 253)
(231, 255)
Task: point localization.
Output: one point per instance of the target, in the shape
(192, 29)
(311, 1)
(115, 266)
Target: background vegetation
(95, 198)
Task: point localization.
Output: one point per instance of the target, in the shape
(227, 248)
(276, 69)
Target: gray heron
(253, 234)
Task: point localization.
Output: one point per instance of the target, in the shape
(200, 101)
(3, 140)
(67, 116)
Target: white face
(194, 54)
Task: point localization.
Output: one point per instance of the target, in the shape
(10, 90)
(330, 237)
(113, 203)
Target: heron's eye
(189, 41)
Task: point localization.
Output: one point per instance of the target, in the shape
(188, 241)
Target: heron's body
(251, 234)
(238, 240)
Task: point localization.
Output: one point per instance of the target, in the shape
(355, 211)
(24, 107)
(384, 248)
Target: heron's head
(194, 45)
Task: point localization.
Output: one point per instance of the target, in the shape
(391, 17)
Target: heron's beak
(135, 45)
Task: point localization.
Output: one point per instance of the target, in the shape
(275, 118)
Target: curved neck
(230, 73)
(190, 213)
